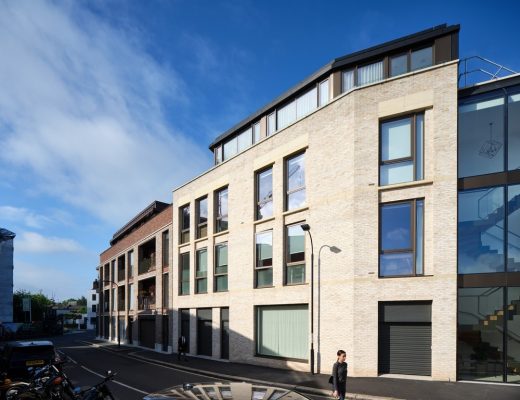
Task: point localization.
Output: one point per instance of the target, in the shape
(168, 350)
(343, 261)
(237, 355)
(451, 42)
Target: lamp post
(96, 284)
(334, 250)
(307, 228)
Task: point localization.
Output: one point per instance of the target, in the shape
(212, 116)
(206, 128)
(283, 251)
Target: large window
(295, 181)
(131, 295)
(165, 291)
(347, 80)
(201, 271)
(513, 228)
(221, 267)
(184, 274)
(323, 93)
(295, 255)
(264, 193)
(282, 331)
(130, 264)
(513, 128)
(165, 249)
(202, 217)
(121, 268)
(401, 238)
(402, 150)
(271, 123)
(221, 212)
(184, 218)
(422, 58)
(370, 73)
(264, 259)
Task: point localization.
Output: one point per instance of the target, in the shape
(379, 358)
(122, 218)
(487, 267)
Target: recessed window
(184, 217)
(166, 249)
(264, 193)
(323, 93)
(130, 256)
(221, 212)
(286, 115)
(402, 150)
(264, 259)
(295, 180)
(347, 80)
(202, 217)
(271, 124)
(218, 155)
(184, 274)
(295, 255)
(370, 73)
(422, 58)
(401, 238)
(201, 271)
(306, 103)
(245, 139)
(256, 132)
(165, 291)
(399, 65)
(221, 267)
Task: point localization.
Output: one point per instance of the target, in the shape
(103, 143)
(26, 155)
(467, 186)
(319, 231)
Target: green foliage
(39, 305)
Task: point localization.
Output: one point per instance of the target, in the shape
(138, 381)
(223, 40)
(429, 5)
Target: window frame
(182, 256)
(259, 202)
(218, 217)
(215, 261)
(198, 278)
(286, 180)
(287, 264)
(165, 250)
(413, 237)
(184, 231)
(413, 144)
(201, 225)
(256, 267)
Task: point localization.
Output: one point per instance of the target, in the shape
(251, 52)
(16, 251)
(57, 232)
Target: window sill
(403, 276)
(295, 211)
(200, 239)
(217, 234)
(404, 185)
(180, 246)
(261, 221)
(296, 284)
(265, 287)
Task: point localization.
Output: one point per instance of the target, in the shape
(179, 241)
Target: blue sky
(106, 106)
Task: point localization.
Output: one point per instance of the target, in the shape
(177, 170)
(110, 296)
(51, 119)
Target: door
(224, 333)
(204, 332)
(165, 333)
(147, 332)
(130, 329)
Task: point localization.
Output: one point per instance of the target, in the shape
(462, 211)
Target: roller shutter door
(405, 339)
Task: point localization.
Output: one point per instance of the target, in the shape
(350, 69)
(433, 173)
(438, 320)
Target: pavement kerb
(301, 389)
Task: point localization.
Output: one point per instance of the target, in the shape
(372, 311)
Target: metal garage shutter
(147, 332)
(405, 338)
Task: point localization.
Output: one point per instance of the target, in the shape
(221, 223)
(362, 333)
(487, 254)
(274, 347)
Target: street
(135, 378)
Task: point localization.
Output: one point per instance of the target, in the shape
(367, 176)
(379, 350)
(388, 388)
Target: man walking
(181, 348)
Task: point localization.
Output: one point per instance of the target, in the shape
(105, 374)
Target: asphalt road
(135, 378)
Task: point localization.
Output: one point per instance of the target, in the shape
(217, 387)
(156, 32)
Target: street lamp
(96, 284)
(334, 250)
(307, 228)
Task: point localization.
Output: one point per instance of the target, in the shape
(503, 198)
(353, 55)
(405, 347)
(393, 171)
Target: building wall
(90, 303)
(6, 280)
(341, 141)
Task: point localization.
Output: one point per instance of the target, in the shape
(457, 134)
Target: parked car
(17, 357)
(226, 391)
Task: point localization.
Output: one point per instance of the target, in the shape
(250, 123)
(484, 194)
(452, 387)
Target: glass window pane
(514, 132)
(218, 154)
(324, 93)
(347, 80)
(306, 103)
(399, 65)
(396, 139)
(265, 193)
(256, 132)
(295, 244)
(513, 229)
(221, 283)
(264, 249)
(202, 285)
(264, 277)
(479, 333)
(370, 73)
(202, 211)
(396, 173)
(295, 274)
(421, 59)
(296, 172)
(271, 124)
(395, 264)
(481, 231)
(419, 237)
(481, 137)
(230, 148)
(419, 147)
(513, 334)
(245, 139)
(286, 115)
(296, 200)
(186, 217)
(395, 226)
(222, 255)
(202, 261)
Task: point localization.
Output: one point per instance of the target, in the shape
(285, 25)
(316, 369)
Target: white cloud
(27, 217)
(82, 111)
(32, 242)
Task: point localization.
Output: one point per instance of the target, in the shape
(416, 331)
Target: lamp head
(335, 249)
(305, 227)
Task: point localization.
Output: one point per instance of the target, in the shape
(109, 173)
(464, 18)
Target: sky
(106, 106)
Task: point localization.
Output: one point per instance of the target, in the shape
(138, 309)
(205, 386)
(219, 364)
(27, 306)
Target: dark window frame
(184, 232)
(219, 217)
(219, 274)
(258, 202)
(256, 267)
(201, 225)
(130, 265)
(413, 236)
(197, 277)
(286, 179)
(182, 256)
(288, 265)
(165, 254)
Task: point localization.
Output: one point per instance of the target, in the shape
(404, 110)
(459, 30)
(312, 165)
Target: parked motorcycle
(99, 391)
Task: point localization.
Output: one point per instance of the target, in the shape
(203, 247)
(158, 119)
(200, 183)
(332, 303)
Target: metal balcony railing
(476, 69)
(146, 302)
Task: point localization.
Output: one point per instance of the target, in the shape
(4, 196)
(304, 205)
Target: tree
(39, 305)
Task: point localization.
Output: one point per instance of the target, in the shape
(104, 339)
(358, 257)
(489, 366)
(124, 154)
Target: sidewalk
(357, 388)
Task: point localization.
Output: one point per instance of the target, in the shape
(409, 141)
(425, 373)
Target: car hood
(225, 391)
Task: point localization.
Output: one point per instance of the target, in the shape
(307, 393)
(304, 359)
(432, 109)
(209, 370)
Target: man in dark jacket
(182, 345)
(339, 375)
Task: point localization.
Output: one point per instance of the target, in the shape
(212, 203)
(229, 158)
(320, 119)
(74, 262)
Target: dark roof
(492, 85)
(153, 209)
(340, 63)
(6, 235)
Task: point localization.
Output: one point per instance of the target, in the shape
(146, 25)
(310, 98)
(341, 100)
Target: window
(402, 150)
(401, 238)
(221, 212)
(113, 298)
(165, 249)
(399, 65)
(422, 58)
(295, 255)
(113, 270)
(286, 115)
(202, 217)
(94, 297)
(323, 93)
(221, 267)
(264, 193)
(295, 178)
(121, 268)
(513, 137)
(306, 103)
(184, 274)
(245, 139)
(230, 148)
(201, 271)
(282, 331)
(165, 291)
(256, 132)
(94, 308)
(271, 124)
(370, 73)
(218, 155)
(264, 259)
(130, 264)
(131, 296)
(184, 218)
(347, 80)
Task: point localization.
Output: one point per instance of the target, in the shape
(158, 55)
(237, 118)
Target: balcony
(147, 264)
(146, 302)
(146, 294)
(147, 257)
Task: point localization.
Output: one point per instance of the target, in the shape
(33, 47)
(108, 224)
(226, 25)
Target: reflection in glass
(398, 65)
(221, 267)
(513, 334)
(396, 173)
(421, 59)
(513, 136)
(419, 234)
(201, 271)
(513, 228)
(481, 137)
(222, 210)
(394, 264)
(185, 274)
(295, 255)
(481, 231)
(395, 226)
(296, 182)
(480, 344)
(396, 141)
(419, 147)
(347, 80)
(264, 259)
(265, 194)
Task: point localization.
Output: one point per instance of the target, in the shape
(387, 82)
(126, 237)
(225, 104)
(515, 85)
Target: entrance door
(147, 332)
(224, 333)
(130, 329)
(204, 332)
(165, 333)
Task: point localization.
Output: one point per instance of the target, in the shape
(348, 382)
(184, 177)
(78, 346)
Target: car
(17, 357)
(226, 391)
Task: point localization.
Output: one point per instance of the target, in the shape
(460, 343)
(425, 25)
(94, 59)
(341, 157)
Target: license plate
(34, 362)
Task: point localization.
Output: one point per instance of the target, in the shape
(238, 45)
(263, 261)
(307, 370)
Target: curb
(301, 389)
